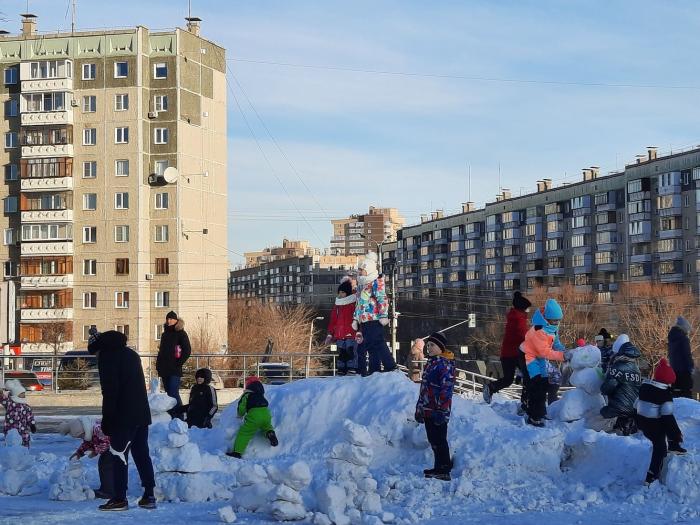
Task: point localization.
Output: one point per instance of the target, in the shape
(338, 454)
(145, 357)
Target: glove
(419, 416)
(329, 340)
(384, 321)
(32, 427)
(438, 418)
(358, 338)
(355, 326)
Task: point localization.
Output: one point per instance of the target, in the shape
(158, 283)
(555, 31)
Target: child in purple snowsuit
(18, 414)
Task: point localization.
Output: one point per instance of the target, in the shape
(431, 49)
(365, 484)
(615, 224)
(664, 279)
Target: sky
(335, 106)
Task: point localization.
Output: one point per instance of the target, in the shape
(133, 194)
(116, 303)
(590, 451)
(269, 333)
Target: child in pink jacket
(95, 443)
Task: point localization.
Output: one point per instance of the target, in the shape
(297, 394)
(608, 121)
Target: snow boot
(272, 437)
(234, 455)
(429, 472)
(535, 422)
(487, 394)
(675, 448)
(651, 478)
(115, 505)
(147, 502)
(438, 474)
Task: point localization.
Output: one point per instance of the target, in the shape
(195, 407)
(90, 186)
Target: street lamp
(379, 245)
(311, 333)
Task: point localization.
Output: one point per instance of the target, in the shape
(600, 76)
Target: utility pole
(72, 23)
(394, 315)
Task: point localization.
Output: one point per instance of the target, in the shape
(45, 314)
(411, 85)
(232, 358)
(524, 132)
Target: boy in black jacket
(203, 404)
(655, 418)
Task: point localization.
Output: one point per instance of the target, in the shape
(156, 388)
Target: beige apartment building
(114, 157)
(359, 234)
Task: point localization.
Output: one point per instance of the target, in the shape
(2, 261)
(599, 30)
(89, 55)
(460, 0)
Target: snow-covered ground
(365, 456)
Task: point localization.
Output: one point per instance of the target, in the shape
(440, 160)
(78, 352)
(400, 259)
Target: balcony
(556, 271)
(49, 184)
(641, 258)
(671, 277)
(607, 267)
(670, 234)
(41, 315)
(48, 216)
(37, 118)
(46, 282)
(642, 237)
(48, 150)
(46, 348)
(47, 84)
(47, 248)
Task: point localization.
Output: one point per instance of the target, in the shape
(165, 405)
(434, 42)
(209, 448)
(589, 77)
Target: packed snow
(350, 454)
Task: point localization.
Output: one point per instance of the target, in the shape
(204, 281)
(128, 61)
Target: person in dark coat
(125, 415)
(656, 420)
(604, 343)
(681, 357)
(203, 403)
(173, 352)
(621, 385)
(511, 356)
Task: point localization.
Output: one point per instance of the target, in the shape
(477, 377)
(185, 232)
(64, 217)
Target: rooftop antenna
(72, 20)
(499, 177)
(469, 179)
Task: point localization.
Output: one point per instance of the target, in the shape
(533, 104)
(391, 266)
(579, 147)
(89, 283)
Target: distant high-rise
(359, 234)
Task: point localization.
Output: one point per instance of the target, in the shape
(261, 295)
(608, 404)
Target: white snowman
(585, 401)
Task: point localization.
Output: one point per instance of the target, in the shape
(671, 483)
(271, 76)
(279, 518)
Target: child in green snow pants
(254, 408)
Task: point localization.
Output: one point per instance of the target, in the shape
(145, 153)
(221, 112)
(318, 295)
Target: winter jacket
(622, 382)
(679, 354)
(372, 303)
(18, 416)
(253, 397)
(167, 364)
(203, 404)
(95, 441)
(514, 335)
(655, 411)
(124, 399)
(606, 354)
(537, 348)
(437, 386)
(340, 325)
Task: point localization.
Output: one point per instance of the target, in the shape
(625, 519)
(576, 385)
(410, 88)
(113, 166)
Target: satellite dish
(170, 175)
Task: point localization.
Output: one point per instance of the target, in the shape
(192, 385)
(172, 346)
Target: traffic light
(472, 320)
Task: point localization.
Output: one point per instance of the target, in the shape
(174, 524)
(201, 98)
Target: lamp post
(311, 336)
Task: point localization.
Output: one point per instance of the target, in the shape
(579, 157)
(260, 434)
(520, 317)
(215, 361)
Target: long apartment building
(359, 234)
(642, 224)
(114, 158)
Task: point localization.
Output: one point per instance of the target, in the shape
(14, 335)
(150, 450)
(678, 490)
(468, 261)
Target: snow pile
(70, 484)
(226, 514)
(254, 488)
(585, 401)
(287, 502)
(18, 475)
(159, 403)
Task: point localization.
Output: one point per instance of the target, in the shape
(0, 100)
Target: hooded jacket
(538, 347)
(372, 303)
(124, 398)
(679, 353)
(167, 364)
(514, 335)
(437, 386)
(253, 397)
(622, 382)
(340, 325)
(203, 403)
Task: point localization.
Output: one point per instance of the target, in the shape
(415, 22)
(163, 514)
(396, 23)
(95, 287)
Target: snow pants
(658, 435)
(105, 468)
(256, 419)
(509, 366)
(537, 397)
(437, 437)
(134, 440)
(683, 387)
(376, 348)
(347, 356)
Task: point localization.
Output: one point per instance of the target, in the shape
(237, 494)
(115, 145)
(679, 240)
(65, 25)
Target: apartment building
(288, 249)
(359, 234)
(641, 224)
(114, 156)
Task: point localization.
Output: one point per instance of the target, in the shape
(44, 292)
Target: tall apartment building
(95, 230)
(359, 234)
(641, 224)
(288, 249)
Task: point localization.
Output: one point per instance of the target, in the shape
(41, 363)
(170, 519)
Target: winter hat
(664, 373)
(205, 374)
(538, 319)
(76, 428)
(345, 286)
(580, 342)
(552, 310)
(15, 388)
(520, 302)
(369, 264)
(171, 315)
(439, 339)
(621, 340)
(251, 379)
(683, 324)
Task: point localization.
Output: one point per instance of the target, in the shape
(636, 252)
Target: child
(621, 386)
(538, 347)
(340, 328)
(203, 403)
(655, 418)
(254, 408)
(18, 414)
(435, 402)
(95, 443)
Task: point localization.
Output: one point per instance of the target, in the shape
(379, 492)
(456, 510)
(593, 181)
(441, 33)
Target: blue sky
(337, 141)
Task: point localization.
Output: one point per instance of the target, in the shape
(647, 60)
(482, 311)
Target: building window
(158, 331)
(531, 247)
(86, 331)
(600, 199)
(89, 71)
(667, 267)
(160, 135)
(89, 266)
(121, 69)
(121, 168)
(121, 233)
(90, 169)
(581, 279)
(162, 266)
(89, 104)
(10, 269)
(160, 103)
(89, 136)
(10, 204)
(579, 222)
(161, 201)
(121, 299)
(11, 108)
(162, 233)
(121, 135)
(89, 300)
(162, 299)
(47, 232)
(90, 201)
(11, 172)
(579, 240)
(160, 166)
(89, 234)
(54, 101)
(11, 75)
(634, 186)
(121, 102)
(9, 236)
(121, 201)
(11, 140)
(121, 266)
(160, 70)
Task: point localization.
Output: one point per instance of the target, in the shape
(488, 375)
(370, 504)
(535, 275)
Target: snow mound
(159, 403)
(18, 474)
(70, 484)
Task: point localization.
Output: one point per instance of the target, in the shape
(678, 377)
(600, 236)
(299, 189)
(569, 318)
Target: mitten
(358, 338)
(384, 321)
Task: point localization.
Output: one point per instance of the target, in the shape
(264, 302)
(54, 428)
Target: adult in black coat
(125, 414)
(173, 352)
(681, 358)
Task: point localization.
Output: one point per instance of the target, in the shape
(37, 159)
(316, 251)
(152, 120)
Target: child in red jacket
(340, 329)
